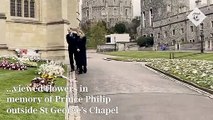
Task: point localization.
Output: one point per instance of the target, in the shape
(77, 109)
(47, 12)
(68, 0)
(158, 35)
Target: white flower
(51, 68)
(203, 75)
(166, 69)
(194, 71)
(17, 50)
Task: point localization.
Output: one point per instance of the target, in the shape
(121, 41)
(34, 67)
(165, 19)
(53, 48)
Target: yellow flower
(50, 77)
(44, 75)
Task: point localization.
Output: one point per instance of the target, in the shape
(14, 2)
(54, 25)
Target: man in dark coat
(72, 38)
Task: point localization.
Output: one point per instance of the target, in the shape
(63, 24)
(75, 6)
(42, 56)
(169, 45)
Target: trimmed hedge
(145, 41)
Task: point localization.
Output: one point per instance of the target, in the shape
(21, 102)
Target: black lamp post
(202, 40)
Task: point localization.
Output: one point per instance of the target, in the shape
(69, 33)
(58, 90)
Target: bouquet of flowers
(17, 66)
(32, 55)
(48, 73)
(27, 62)
(21, 52)
(51, 69)
(42, 84)
(5, 64)
(35, 59)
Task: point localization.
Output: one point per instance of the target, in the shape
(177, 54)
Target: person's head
(73, 30)
(80, 33)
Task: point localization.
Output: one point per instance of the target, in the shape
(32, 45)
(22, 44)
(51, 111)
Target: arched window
(87, 13)
(19, 8)
(32, 8)
(12, 7)
(126, 12)
(26, 8)
(115, 11)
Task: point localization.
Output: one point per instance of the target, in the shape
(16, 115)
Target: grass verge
(10, 79)
(125, 55)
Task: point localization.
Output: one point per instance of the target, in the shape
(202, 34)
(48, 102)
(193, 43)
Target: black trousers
(84, 58)
(72, 55)
(78, 60)
(81, 59)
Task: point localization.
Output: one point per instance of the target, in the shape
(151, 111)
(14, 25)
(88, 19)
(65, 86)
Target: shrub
(120, 28)
(145, 41)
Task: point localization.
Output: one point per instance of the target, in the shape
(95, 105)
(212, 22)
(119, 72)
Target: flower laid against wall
(32, 55)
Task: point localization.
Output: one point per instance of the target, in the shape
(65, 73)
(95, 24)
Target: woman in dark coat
(82, 53)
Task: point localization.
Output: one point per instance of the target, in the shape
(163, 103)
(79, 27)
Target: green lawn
(10, 79)
(153, 54)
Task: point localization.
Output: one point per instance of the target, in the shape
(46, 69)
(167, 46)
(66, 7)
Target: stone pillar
(177, 46)
(3, 22)
(206, 45)
(3, 14)
(211, 45)
(3, 6)
(3, 41)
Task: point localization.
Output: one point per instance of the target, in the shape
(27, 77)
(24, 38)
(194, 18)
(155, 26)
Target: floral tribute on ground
(199, 72)
(48, 73)
(11, 63)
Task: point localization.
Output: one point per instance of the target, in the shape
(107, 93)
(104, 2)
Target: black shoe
(80, 72)
(85, 69)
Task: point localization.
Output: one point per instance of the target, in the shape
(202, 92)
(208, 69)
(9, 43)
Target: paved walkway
(139, 94)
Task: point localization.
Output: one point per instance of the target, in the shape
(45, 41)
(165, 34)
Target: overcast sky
(136, 7)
